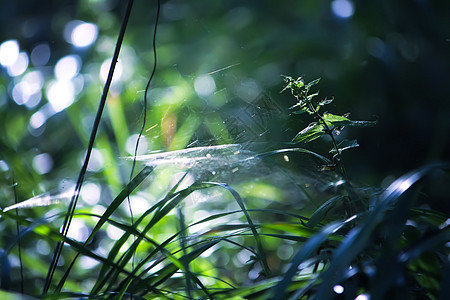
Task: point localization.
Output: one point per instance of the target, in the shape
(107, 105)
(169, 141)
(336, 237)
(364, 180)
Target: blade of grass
(19, 246)
(322, 211)
(428, 243)
(237, 197)
(166, 272)
(176, 262)
(167, 255)
(74, 200)
(162, 208)
(308, 249)
(45, 231)
(279, 151)
(131, 186)
(183, 243)
(358, 238)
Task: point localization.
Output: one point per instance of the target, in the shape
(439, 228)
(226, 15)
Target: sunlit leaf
(310, 133)
(333, 119)
(310, 97)
(325, 101)
(45, 199)
(312, 83)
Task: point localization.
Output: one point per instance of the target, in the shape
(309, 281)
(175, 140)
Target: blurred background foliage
(217, 82)
(383, 60)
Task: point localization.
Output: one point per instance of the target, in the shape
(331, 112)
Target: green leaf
(300, 108)
(304, 253)
(314, 82)
(355, 123)
(334, 119)
(361, 236)
(279, 151)
(310, 97)
(344, 145)
(325, 101)
(343, 121)
(310, 133)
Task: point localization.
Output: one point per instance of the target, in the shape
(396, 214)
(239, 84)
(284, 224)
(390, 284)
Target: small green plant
(373, 253)
(325, 123)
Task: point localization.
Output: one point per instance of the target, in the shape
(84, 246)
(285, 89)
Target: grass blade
(359, 237)
(308, 249)
(73, 201)
(132, 185)
(237, 197)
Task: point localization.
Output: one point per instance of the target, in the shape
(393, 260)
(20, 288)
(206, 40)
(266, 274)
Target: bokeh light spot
(43, 247)
(131, 144)
(9, 52)
(80, 34)
(40, 55)
(42, 163)
(78, 230)
(90, 193)
(96, 162)
(285, 251)
(248, 90)
(37, 119)
(36, 78)
(88, 263)
(338, 289)
(67, 67)
(21, 93)
(19, 66)
(342, 8)
(204, 85)
(4, 166)
(375, 47)
(104, 70)
(114, 232)
(28, 90)
(139, 204)
(60, 94)
(243, 257)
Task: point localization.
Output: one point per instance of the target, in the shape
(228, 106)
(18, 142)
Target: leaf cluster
(325, 123)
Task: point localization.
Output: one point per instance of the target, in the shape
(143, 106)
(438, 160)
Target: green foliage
(214, 221)
(386, 244)
(326, 123)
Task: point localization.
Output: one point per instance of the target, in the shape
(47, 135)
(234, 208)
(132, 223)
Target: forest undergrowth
(224, 222)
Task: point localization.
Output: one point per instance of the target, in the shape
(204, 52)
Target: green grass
(394, 247)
